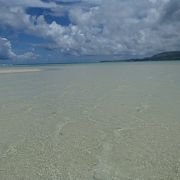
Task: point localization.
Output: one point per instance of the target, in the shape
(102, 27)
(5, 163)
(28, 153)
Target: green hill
(164, 56)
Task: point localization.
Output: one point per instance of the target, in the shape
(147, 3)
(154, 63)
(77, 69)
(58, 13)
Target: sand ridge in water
(21, 70)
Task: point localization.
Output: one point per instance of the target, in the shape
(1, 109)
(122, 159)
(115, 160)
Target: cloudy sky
(86, 30)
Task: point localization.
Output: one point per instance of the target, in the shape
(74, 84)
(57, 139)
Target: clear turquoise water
(91, 121)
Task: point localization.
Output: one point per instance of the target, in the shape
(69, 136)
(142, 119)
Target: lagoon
(106, 121)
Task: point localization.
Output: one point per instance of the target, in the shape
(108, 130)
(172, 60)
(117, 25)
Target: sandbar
(9, 71)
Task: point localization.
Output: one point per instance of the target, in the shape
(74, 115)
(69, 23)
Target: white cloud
(6, 52)
(114, 27)
(26, 56)
(6, 49)
(105, 28)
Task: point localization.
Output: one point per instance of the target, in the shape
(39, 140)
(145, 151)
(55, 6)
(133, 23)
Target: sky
(66, 31)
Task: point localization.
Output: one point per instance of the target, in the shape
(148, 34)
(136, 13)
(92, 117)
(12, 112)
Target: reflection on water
(93, 122)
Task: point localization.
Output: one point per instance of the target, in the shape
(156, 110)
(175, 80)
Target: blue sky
(37, 31)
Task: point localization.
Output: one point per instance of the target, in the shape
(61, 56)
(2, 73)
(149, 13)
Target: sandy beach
(21, 70)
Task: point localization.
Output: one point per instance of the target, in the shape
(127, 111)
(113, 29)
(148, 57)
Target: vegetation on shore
(165, 56)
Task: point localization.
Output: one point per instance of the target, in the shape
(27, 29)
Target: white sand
(8, 71)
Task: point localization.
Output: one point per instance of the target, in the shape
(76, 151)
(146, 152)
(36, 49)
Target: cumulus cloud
(116, 27)
(6, 52)
(103, 27)
(6, 49)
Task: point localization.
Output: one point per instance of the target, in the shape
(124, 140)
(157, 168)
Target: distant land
(164, 56)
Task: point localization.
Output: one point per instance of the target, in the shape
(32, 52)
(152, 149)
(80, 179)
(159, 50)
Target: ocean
(102, 121)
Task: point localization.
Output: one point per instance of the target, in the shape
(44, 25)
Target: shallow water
(114, 121)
